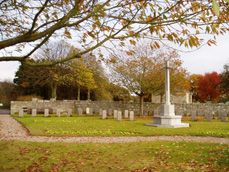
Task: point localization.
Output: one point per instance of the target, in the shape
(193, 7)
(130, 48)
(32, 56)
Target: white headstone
(34, 112)
(119, 118)
(115, 114)
(104, 114)
(131, 115)
(34, 99)
(90, 111)
(193, 114)
(21, 113)
(46, 112)
(58, 111)
(80, 111)
(87, 111)
(52, 99)
(109, 112)
(69, 112)
(126, 114)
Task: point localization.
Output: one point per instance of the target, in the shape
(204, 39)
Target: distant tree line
(136, 70)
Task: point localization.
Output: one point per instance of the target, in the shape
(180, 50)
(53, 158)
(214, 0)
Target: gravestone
(110, 112)
(119, 118)
(167, 117)
(179, 112)
(34, 99)
(69, 112)
(104, 116)
(80, 111)
(193, 114)
(224, 117)
(96, 110)
(58, 111)
(131, 115)
(156, 113)
(208, 116)
(100, 112)
(21, 113)
(219, 114)
(46, 112)
(126, 114)
(188, 113)
(90, 112)
(34, 112)
(52, 99)
(87, 111)
(115, 114)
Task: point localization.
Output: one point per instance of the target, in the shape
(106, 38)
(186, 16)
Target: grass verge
(154, 156)
(95, 126)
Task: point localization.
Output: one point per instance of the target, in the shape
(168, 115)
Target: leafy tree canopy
(139, 69)
(92, 23)
(209, 87)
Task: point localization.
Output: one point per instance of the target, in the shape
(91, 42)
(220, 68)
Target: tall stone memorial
(167, 117)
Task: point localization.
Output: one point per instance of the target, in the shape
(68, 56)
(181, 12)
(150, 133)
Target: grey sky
(208, 58)
(205, 59)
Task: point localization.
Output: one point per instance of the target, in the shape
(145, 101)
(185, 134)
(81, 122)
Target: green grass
(156, 156)
(95, 126)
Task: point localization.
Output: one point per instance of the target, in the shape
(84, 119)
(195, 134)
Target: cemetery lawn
(95, 126)
(155, 156)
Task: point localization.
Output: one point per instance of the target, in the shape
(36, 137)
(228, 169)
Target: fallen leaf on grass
(212, 159)
(43, 158)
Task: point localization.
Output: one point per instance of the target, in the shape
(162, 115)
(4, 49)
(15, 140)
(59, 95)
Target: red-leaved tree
(209, 87)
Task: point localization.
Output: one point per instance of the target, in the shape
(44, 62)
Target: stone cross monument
(167, 117)
(167, 83)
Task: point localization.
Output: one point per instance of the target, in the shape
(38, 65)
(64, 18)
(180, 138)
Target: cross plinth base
(167, 122)
(167, 118)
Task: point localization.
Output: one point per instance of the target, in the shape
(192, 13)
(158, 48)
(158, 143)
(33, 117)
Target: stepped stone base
(168, 122)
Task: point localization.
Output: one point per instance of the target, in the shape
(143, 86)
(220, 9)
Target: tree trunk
(141, 105)
(53, 90)
(88, 94)
(78, 95)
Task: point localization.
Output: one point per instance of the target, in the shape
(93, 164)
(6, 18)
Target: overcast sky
(206, 59)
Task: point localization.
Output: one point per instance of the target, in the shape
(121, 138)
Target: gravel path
(13, 130)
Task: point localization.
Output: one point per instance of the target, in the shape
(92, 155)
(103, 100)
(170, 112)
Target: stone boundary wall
(149, 108)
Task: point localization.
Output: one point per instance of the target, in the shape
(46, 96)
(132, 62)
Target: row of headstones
(103, 113)
(208, 115)
(117, 114)
(199, 112)
(46, 113)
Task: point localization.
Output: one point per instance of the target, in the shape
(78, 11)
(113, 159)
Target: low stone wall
(149, 108)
